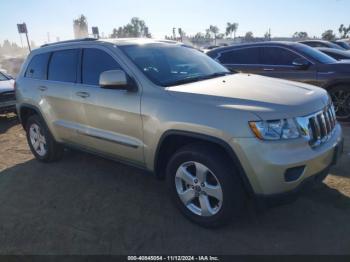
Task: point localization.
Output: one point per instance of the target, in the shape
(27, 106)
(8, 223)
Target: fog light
(294, 173)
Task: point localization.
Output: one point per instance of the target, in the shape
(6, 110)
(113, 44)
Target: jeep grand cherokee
(217, 138)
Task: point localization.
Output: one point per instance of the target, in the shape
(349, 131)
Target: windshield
(170, 64)
(315, 54)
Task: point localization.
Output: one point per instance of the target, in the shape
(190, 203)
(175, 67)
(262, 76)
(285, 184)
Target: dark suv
(292, 61)
(321, 43)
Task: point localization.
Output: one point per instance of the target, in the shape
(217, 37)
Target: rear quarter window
(37, 67)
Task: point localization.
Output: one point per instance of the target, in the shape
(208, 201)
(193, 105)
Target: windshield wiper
(217, 75)
(196, 78)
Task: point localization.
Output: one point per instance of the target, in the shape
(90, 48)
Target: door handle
(42, 88)
(82, 94)
(269, 69)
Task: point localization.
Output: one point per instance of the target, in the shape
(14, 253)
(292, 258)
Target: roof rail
(71, 41)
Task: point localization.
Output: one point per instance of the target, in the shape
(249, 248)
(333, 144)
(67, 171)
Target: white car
(7, 94)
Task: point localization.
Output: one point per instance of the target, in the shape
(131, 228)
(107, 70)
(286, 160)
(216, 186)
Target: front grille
(7, 96)
(319, 127)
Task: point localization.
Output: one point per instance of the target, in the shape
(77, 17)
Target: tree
(344, 31)
(6, 45)
(181, 33)
(231, 28)
(267, 35)
(199, 35)
(249, 36)
(214, 30)
(328, 35)
(207, 33)
(300, 35)
(80, 27)
(220, 36)
(136, 28)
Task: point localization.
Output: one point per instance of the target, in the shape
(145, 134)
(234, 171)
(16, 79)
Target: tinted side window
(63, 66)
(95, 62)
(37, 67)
(278, 56)
(2, 77)
(336, 56)
(245, 56)
(312, 44)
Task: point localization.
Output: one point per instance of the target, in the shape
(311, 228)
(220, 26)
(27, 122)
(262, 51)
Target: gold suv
(216, 137)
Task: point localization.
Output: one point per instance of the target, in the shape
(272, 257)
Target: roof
(115, 41)
(333, 50)
(314, 40)
(267, 43)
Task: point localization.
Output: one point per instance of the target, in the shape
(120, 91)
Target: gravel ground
(88, 205)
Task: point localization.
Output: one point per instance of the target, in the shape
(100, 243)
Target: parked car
(177, 113)
(342, 43)
(208, 48)
(292, 61)
(7, 94)
(335, 53)
(321, 43)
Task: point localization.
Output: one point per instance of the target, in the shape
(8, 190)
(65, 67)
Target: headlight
(275, 130)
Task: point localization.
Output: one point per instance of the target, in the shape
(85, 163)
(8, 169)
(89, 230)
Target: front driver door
(278, 62)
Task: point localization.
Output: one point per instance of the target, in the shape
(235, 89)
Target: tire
(341, 99)
(48, 150)
(198, 157)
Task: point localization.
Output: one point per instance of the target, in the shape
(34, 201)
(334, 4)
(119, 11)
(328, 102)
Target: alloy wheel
(37, 140)
(341, 101)
(199, 189)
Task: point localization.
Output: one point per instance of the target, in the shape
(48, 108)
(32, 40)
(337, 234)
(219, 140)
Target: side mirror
(301, 63)
(114, 79)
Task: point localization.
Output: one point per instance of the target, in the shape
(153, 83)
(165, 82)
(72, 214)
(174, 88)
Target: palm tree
(214, 30)
(231, 28)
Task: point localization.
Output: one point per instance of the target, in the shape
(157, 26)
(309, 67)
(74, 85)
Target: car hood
(269, 98)
(6, 85)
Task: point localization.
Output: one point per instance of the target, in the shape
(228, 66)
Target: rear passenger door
(111, 116)
(52, 75)
(244, 60)
(278, 62)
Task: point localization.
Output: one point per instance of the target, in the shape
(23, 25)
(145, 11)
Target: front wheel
(204, 186)
(341, 99)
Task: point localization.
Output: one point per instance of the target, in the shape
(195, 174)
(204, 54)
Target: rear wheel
(341, 99)
(204, 186)
(41, 142)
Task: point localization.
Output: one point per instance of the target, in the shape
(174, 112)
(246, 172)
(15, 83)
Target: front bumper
(8, 106)
(266, 163)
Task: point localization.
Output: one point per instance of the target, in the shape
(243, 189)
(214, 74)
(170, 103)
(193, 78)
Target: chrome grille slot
(319, 127)
(7, 96)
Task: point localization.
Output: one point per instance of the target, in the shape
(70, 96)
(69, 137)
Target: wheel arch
(172, 140)
(25, 111)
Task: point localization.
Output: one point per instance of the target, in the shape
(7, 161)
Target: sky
(284, 17)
